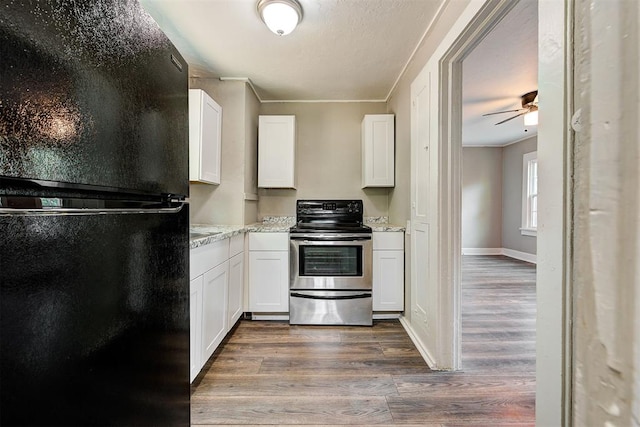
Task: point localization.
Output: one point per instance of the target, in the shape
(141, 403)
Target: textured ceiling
(354, 50)
(342, 49)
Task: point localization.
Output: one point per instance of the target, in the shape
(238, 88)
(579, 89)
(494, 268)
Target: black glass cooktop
(329, 216)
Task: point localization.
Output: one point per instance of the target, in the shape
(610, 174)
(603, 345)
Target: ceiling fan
(529, 105)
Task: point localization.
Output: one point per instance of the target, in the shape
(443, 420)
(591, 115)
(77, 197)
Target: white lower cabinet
(268, 281)
(236, 285)
(216, 296)
(214, 308)
(269, 272)
(195, 326)
(388, 271)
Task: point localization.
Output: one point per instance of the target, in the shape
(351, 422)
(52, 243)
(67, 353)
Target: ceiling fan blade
(506, 111)
(511, 118)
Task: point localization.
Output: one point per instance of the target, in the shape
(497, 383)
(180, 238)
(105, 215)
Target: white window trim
(524, 229)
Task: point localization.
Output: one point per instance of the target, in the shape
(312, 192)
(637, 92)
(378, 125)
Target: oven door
(331, 261)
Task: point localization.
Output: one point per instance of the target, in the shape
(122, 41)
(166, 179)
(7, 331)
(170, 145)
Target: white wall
(400, 104)
(328, 157)
(512, 238)
(224, 203)
(482, 185)
(252, 110)
(492, 198)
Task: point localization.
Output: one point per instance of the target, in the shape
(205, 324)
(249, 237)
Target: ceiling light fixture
(280, 16)
(531, 118)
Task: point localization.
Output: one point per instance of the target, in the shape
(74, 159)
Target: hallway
(270, 373)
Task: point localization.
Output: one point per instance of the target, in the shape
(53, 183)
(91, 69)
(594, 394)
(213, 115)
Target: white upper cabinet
(277, 152)
(378, 136)
(205, 137)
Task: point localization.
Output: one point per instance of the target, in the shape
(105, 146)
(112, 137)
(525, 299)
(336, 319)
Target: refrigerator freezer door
(93, 93)
(94, 325)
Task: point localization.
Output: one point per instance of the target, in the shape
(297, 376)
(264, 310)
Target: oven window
(330, 261)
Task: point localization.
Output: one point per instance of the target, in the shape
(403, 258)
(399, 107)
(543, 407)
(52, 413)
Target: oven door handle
(330, 297)
(332, 238)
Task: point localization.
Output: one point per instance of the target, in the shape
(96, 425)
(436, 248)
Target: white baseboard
(376, 316)
(419, 345)
(269, 317)
(522, 256)
(481, 251)
(384, 316)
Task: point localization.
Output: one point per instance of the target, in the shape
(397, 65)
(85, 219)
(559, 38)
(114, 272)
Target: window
(529, 194)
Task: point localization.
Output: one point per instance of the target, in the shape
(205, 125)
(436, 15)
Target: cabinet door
(214, 305)
(378, 164)
(269, 281)
(276, 151)
(195, 324)
(388, 280)
(205, 137)
(236, 285)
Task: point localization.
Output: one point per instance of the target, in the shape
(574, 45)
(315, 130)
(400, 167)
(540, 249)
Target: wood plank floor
(270, 373)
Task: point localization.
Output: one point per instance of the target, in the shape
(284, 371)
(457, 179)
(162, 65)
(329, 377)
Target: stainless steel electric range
(331, 256)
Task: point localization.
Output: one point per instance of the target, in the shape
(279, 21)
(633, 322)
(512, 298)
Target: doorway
(437, 99)
(498, 297)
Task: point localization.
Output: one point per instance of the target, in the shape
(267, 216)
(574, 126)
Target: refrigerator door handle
(90, 211)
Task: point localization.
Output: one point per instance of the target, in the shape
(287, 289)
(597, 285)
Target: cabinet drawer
(236, 244)
(206, 257)
(386, 240)
(268, 241)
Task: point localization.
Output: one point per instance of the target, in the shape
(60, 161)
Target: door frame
(553, 292)
(450, 161)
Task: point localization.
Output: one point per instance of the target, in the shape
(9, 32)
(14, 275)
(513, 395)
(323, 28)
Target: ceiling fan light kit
(280, 16)
(529, 110)
(531, 118)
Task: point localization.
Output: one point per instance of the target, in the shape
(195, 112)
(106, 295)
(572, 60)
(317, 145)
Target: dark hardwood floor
(270, 373)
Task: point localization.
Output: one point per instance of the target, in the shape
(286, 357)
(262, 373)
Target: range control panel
(327, 209)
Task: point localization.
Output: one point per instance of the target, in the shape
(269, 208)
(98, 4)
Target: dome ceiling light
(280, 16)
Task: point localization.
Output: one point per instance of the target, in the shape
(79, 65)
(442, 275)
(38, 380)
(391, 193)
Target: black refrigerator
(94, 258)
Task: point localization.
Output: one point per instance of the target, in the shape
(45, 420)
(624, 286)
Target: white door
(388, 280)
(211, 140)
(236, 273)
(424, 178)
(195, 325)
(269, 281)
(214, 309)
(276, 151)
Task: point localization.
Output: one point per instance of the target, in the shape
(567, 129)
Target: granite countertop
(376, 226)
(381, 223)
(272, 224)
(204, 234)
